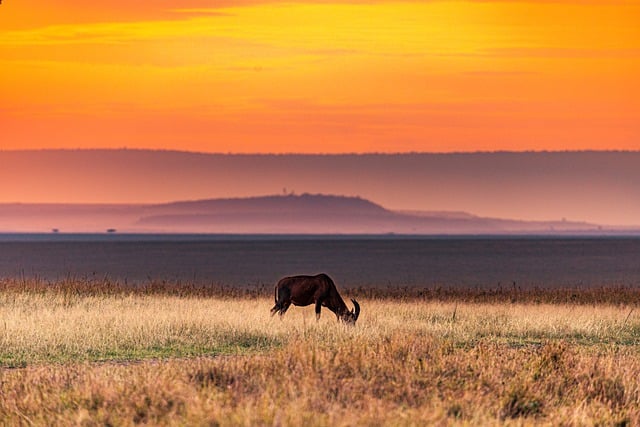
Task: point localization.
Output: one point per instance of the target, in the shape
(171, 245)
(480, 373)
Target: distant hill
(299, 214)
(592, 186)
(305, 204)
(304, 213)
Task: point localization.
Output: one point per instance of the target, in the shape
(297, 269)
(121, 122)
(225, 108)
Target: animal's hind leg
(275, 309)
(283, 300)
(318, 307)
(284, 309)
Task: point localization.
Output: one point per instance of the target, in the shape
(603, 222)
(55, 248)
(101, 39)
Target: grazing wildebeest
(319, 290)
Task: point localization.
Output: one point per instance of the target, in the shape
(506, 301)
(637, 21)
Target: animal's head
(350, 317)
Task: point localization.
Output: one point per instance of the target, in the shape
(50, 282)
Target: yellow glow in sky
(321, 77)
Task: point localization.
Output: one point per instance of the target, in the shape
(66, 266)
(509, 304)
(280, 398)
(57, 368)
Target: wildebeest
(319, 290)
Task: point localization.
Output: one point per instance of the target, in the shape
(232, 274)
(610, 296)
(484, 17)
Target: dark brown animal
(319, 290)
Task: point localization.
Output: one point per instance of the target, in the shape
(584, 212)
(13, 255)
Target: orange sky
(320, 76)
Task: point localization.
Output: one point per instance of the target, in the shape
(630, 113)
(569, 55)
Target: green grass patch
(226, 344)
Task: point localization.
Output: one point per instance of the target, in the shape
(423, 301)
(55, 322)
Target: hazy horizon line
(294, 153)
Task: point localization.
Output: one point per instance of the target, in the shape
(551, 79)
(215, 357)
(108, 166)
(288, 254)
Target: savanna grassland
(74, 353)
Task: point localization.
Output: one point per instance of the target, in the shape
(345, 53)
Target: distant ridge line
(276, 154)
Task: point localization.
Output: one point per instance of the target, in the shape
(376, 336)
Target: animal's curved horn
(357, 308)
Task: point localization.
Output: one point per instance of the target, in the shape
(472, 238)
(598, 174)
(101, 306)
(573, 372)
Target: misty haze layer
(597, 187)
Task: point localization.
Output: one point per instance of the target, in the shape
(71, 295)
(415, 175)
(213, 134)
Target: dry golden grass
(161, 358)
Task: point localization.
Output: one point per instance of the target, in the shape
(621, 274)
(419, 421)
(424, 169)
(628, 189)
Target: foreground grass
(128, 358)
(43, 328)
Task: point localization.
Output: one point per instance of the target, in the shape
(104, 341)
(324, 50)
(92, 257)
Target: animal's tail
(276, 307)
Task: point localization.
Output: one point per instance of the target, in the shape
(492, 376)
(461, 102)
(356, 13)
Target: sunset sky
(320, 76)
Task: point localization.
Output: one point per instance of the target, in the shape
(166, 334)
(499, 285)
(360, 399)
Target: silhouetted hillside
(305, 203)
(299, 214)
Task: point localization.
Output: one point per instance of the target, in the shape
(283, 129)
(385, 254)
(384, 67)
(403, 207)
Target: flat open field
(102, 354)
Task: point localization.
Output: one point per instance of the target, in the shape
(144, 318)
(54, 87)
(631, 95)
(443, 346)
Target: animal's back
(318, 278)
(304, 289)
